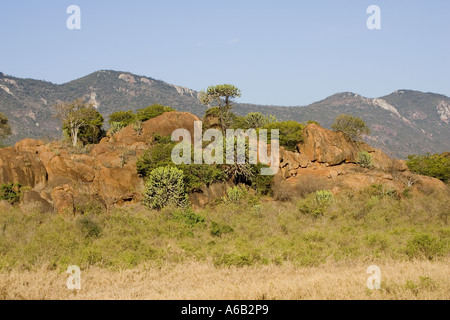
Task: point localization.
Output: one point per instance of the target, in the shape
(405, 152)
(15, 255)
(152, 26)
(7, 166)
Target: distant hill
(404, 122)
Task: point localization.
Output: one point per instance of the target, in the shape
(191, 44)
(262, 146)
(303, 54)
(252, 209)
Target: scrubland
(248, 248)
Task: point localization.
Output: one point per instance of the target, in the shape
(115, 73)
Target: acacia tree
(221, 96)
(5, 128)
(351, 126)
(75, 116)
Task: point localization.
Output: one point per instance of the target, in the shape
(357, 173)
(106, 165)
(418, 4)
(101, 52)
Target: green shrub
(424, 245)
(89, 228)
(324, 197)
(188, 216)
(365, 159)
(291, 133)
(234, 195)
(115, 127)
(316, 204)
(10, 192)
(432, 165)
(218, 230)
(163, 187)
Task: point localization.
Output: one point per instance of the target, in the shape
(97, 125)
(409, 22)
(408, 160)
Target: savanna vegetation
(258, 226)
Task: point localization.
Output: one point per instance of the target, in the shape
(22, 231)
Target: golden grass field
(199, 280)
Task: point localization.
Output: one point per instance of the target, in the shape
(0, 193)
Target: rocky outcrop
(325, 146)
(333, 148)
(64, 180)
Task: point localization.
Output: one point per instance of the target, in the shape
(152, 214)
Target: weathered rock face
(325, 146)
(33, 198)
(22, 167)
(64, 199)
(332, 148)
(163, 125)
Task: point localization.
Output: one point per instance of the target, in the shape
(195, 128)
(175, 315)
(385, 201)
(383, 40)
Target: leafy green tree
(78, 115)
(93, 131)
(151, 112)
(432, 165)
(163, 187)
(221, 96)
(5, 128)
(125, 118)
(351, 126)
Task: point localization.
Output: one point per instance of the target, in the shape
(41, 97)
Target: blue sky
(276, 52)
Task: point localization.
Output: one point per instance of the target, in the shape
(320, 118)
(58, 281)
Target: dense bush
(10, 192)
(195, 175)
(291, 133)
(124, 118)
(433, 165)
(164, 187)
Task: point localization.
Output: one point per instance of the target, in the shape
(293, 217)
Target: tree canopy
(221, 96)
(351, 126)
(79, 120)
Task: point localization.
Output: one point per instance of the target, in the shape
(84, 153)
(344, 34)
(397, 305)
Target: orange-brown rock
(325, 146)
(27, 144)
(22, 167)
(33, 198)
(163, 125)
(64, 199)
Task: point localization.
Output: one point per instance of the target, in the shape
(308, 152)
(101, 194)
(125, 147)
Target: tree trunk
(74, 134)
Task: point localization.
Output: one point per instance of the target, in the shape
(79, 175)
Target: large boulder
(163, 125)
(326, 146)
(22, 167)
(64, 199)
(33, 199)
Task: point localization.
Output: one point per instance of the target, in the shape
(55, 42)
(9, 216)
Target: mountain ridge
(403, 122)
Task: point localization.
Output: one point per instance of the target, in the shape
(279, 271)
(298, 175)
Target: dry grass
(201, 280)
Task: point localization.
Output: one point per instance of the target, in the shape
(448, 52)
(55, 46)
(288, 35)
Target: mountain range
(402, 123)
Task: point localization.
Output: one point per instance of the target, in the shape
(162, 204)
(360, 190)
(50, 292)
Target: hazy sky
(276, 52)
